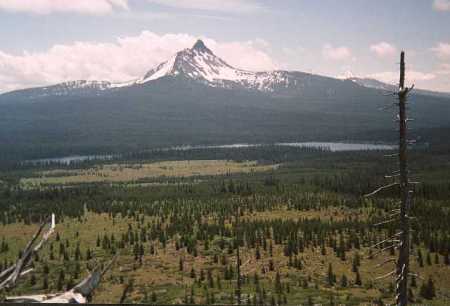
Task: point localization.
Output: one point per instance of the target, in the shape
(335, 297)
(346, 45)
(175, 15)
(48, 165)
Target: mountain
(372, 83)
(197, 98)
(201, 65)
(197, 64)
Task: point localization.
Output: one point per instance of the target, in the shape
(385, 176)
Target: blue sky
(49, 41)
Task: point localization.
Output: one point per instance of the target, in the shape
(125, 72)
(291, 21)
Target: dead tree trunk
(77, 295)
(238, 258)
(10, 276)
(402, 269)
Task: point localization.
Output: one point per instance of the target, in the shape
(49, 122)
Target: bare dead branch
(393, 246)
(10, 276)
(384, 241)
(390, 155)
(391, 176)
(385, 222)
(126, 291)
(380, 189)
(394, 214)
(386, 275)
(385, 262)
(77, 294)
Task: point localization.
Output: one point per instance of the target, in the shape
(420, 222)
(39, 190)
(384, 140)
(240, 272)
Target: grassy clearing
(137, 172)
(178, 199)
(160, 273)
(331, 213)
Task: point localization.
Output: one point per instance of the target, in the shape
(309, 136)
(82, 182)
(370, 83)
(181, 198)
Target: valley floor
(304, 230)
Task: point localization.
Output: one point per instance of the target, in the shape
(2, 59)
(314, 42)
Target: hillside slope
(192, 100)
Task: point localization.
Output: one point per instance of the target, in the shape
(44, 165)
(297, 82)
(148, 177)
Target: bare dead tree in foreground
(401, 240)
(405, 193)
(238, 257)
(78, 294)
(9, 277)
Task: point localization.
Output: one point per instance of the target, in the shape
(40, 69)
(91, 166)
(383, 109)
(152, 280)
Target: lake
(332, 146)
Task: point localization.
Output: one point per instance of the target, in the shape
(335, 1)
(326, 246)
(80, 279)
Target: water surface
(331, 146)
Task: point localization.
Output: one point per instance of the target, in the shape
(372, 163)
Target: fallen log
(9, 277)
(77, 295)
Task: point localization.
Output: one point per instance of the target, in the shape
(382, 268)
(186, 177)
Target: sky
(45, 42)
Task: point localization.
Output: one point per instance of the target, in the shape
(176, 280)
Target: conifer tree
(257, 254)
(60, 282)
(331, 278)
(420, 258)
(32, 280)
(358, 281)
(45, 282)
(181, 264)
(429, 259)
(278, 285)
(344, 281)
(427, 290)
(436, 258)
(413, 281)
(210, 279)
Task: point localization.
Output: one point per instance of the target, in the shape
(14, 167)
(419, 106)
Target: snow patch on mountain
(372, 83)
(197, 63)
(160, 71)
(200, 63)
(100, 85)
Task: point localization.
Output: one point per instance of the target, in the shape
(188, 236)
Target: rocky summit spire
(200, 46)
(199, 63)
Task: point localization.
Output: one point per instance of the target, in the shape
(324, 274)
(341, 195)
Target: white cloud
(102, 7)
(293, 52)
(441, 5)
(383, 49)
(443, 69)
(234, 6)
(250, 55)
(94, 7)
(442, 50)
(412, 76)
(125, 59)
(336, 53)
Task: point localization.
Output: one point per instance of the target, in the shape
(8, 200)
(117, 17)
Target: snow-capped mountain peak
(201, 64)
(197, 63)
(201, 47)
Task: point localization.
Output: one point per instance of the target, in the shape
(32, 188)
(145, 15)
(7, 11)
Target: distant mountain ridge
(196, 98)
(201, 65)
(198, 63)
(372, 83)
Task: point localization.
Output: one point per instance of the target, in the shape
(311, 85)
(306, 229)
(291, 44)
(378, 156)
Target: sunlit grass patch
(137, 172)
